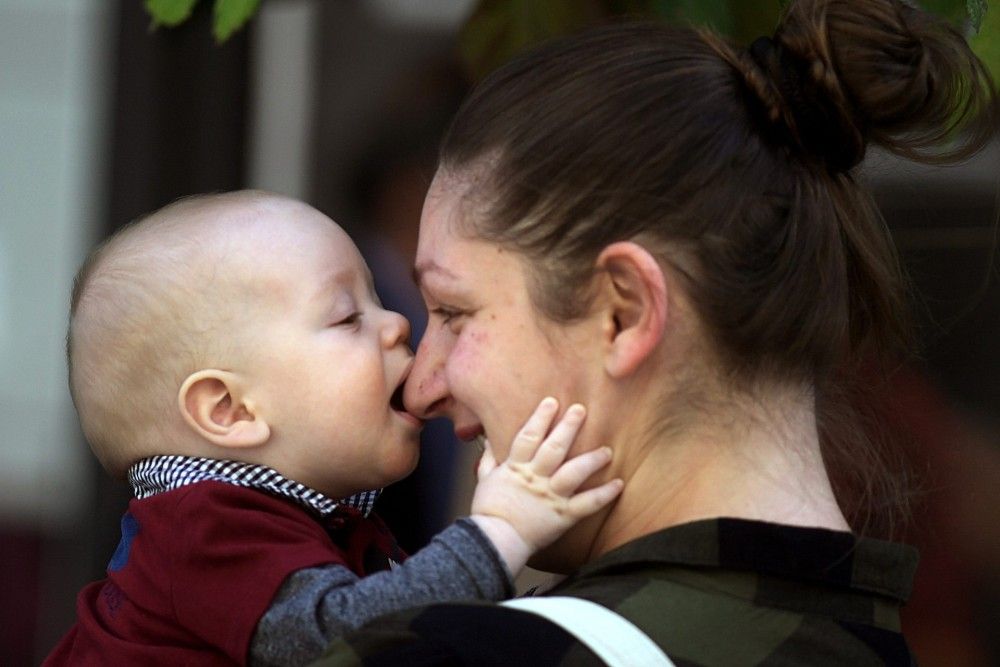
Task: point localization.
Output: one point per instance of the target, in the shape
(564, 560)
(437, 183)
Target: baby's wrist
(513, 548)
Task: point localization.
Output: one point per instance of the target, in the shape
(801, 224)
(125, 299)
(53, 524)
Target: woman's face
(487, 356)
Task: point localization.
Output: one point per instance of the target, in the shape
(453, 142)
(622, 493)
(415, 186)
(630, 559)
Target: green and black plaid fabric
(717, 592)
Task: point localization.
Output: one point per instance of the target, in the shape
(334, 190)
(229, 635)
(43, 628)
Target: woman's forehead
(438, 240)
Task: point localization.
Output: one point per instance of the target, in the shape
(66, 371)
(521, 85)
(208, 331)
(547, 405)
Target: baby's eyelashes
(350, 320)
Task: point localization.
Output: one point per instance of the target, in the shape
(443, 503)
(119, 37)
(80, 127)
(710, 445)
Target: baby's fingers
(591, 500)
(553, 450)
(574, 472)
(525, 443)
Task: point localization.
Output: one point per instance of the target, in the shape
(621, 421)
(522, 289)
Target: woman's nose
(395, 330)
(426, 388)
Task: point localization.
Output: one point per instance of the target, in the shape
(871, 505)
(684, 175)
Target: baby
(228, 355)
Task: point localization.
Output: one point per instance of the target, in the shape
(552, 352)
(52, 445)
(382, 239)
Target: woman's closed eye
(447, 315)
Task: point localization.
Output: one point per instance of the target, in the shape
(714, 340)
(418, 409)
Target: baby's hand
(529, 500)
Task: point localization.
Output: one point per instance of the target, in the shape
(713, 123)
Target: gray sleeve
(316, 605)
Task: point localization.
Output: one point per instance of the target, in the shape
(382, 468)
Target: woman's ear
(636, 314)
(213, 405)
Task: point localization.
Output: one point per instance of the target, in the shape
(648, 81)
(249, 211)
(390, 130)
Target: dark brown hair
(738, 161)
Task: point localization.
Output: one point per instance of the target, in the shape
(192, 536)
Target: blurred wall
(53, 120)
(101, 120)
(945, 222)
(284, 46)
(53, 114)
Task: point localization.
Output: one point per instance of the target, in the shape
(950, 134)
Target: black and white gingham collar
(165, 473)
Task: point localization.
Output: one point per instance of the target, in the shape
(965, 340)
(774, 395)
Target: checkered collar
(165, 473)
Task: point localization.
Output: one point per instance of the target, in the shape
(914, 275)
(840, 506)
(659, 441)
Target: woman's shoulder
(715, 591)
(836, 559)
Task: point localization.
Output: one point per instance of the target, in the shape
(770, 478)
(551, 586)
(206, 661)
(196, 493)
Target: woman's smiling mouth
(468, 433)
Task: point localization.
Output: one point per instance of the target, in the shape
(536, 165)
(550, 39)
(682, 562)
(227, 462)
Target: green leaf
(986, 43)
(976, 10)
(230, 16)
(169, 12)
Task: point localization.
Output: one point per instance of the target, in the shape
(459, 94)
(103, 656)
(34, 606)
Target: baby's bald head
(165, 296)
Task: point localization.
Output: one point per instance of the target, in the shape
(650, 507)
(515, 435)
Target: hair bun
(882, 71)
(802, 105)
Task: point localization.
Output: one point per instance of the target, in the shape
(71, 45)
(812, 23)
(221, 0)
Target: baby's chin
(403, 462)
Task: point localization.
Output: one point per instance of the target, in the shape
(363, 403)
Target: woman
(668, 230)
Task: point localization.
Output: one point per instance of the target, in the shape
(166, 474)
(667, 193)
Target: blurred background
(341, 103)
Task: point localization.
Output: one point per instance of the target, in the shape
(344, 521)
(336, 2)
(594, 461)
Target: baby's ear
(212, 403)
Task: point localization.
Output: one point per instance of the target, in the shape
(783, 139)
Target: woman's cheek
(465, 362)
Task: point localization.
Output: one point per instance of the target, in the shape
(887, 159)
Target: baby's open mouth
(396, 400)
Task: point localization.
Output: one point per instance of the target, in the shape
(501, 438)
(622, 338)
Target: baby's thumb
(487, 463)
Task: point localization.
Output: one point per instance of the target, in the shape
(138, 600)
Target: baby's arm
(474, 558)
(316, 605)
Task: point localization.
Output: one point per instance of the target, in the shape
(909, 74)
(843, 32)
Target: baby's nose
(395, 330)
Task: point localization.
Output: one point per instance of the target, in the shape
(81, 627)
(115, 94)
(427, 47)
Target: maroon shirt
(198, 566)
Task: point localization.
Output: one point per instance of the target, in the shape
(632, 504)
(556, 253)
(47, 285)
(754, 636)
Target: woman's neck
(756, 459)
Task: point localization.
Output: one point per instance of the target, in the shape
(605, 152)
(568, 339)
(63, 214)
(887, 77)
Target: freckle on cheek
(463, 358)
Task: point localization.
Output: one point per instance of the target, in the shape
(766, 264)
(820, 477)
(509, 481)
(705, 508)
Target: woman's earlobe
(213, 405)
(637, 303)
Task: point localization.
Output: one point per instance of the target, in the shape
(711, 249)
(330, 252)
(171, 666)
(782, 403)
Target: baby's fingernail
(576, 410)
(549, 403)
